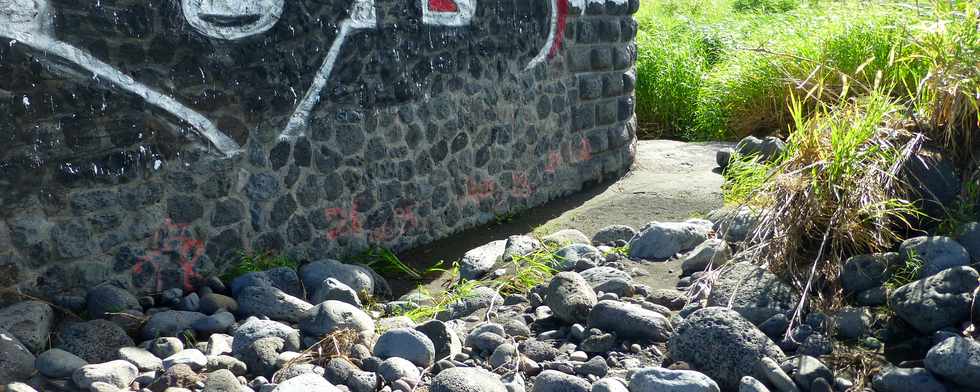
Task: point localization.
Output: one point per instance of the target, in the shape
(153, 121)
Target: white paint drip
(301, 115)
(550, 43)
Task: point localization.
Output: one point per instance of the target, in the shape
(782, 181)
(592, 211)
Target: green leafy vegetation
(524, 273)
(387, 263)
(723, 69)
(906, 272)
(259, 261)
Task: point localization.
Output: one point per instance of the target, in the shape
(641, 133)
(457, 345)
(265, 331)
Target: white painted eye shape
(232, 19)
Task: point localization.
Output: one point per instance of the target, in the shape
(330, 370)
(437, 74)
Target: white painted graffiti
(363, 17)
(232, 19)
(29, 22)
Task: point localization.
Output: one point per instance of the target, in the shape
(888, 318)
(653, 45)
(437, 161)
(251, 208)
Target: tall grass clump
(837, 191)
(947, 96)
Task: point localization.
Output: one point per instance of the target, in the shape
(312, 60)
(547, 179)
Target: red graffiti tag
(562, 22)
(347, 222)
(443, 6)
(477, 190)
(172, 240)
(555, 159)
(522, 188)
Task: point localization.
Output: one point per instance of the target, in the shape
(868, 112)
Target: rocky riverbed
(593, 326)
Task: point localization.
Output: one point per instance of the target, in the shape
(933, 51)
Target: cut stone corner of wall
(148, 146)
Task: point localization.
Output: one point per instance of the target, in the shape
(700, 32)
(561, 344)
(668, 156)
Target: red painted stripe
(560, 33)
(443, 6)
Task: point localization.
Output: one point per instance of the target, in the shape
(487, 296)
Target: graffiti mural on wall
(30, 22)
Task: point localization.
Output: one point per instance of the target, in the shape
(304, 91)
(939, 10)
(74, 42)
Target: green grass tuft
(256, 262)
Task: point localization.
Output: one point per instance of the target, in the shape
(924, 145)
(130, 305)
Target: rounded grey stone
(662, 380)
(956, 359)
(30, 322)
(459, 379)
(630, 321)
(660, 241)
(712, 252)
(271, 302)
(396, 368)
(937, 253)
(94, 341)
(896, 379)
(938, 301)
(723, 345)
(17, 362)
(555, 381)
(753, 292)
(613, 233)
(58, 363)
(570, 297)
(118, 373)
(108, 298)
(330, 316)
(169, 323)
(222, 381)
(406, 343)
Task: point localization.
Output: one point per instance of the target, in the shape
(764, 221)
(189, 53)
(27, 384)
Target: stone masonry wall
(149, 141)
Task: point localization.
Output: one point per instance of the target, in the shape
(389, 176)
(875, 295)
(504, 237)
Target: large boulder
(30, 322)
(630, 321)
(956, 359)
(108, 298)
(734, 225)
(331, 316)
(658, 241)
(305, 383)
(94, 341)
(713, 252)
(358, 277)
(58, 363)
(753, 292)
(612, 234)
(520, 245)
(406, 343)
(555, 381)
(665, 380)
(936, 253)
(443, 338)
(897, 379)
(117, 373)
(939, 301)
(570, 297)
(282, 278)
(566, 237)
(572, 255)
(480, 261)
(968, 235)
(598, 276)
(271, 302)
(865, 272)
(16, 361)
(170, 323)
(333, 289)
(254, 329)
(722, 344)
(468, 379)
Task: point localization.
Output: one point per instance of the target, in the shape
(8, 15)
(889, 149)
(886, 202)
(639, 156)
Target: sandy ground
(669, 181)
